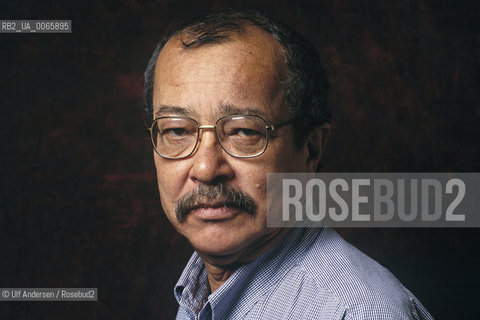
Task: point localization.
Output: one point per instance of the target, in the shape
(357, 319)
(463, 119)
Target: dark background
(79, 205)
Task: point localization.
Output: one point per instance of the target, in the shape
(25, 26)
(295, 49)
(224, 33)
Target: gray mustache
(218, 195)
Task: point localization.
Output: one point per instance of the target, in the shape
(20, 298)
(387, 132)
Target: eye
(176, 132)
(245, 132)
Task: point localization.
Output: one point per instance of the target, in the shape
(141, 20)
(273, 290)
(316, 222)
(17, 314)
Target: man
(235, 96)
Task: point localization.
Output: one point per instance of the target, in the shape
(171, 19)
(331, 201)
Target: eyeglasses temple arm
(275, 126)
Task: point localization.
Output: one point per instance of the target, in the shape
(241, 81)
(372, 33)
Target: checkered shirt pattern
(309, 274)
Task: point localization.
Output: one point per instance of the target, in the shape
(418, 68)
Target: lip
(214, 212)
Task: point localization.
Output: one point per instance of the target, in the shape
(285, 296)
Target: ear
(316, 143)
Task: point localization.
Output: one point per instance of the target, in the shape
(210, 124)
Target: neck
(218, 275)
(220, 268)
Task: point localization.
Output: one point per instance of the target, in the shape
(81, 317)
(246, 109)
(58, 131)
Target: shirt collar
(250, 280)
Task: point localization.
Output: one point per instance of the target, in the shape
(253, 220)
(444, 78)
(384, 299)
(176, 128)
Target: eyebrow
(230, 109)
(223, 110)
(165, 109)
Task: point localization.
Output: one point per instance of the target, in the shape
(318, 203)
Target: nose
(210, 162)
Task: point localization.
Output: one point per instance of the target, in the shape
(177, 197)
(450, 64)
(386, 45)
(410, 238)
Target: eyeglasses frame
(271, 127)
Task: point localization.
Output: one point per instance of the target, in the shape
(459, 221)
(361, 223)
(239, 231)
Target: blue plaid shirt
(309, 274)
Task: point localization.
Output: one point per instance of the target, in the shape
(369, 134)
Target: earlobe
(316, 144)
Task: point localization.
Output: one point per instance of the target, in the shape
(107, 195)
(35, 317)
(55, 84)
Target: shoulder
(362, 286)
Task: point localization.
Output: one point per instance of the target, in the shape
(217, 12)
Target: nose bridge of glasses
(206, 127)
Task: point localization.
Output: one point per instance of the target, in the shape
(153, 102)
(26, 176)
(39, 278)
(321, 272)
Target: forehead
(245, 70)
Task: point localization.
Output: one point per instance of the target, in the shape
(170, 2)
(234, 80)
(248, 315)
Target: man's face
(241, 76)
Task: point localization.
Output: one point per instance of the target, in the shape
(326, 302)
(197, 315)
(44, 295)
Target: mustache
(218, 195)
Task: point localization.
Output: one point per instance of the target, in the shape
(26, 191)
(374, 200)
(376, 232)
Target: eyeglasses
(241, 136)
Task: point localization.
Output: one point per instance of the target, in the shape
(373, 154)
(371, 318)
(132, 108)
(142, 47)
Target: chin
(225, 246)
(225, 241)
(219, 244)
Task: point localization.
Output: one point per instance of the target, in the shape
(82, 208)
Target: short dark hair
(305, 87)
